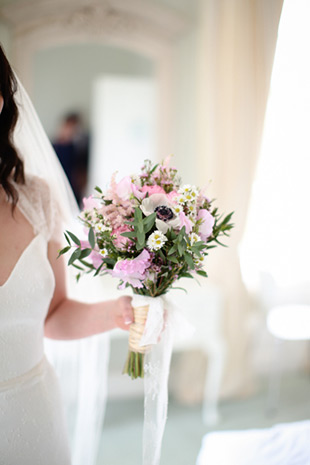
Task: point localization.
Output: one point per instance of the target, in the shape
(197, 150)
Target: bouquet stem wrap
(162, 319)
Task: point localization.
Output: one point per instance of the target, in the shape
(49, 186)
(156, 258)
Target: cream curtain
(236, 45)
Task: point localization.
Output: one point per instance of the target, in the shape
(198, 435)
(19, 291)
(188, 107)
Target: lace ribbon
(163, 320)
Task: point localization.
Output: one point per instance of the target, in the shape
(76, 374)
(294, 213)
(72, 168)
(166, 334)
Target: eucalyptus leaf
(150, 218)
(202, 273)
(131, 234)
(91, 238)
(76, 254)
(74, 238)
(138, 214)
(187, 275)
(85, 253)
(99, 269)
(64, 250)
(189, 260)
(67, 239)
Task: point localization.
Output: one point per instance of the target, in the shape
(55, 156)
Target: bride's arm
(71, 319)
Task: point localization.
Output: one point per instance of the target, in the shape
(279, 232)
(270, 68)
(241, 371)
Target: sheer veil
(81, 365)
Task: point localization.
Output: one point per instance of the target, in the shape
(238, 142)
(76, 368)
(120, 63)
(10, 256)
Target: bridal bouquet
(148, 231)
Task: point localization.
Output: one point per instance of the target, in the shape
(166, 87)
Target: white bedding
(283, 444)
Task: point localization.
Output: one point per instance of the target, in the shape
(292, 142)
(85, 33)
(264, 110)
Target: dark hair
(11, 166)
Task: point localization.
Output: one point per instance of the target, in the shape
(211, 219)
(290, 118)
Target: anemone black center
(164, 213)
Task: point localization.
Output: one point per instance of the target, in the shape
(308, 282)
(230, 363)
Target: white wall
(63, 77)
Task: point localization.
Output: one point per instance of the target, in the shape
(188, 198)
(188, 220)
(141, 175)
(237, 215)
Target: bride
(33, 300)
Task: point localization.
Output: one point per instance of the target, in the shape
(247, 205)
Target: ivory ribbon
(163, 320)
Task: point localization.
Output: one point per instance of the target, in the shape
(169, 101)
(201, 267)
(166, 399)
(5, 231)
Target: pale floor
(122, 433)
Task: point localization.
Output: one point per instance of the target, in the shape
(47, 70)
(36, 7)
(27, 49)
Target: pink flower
(89, 203)
(123, 188)
(185, 221)
(126, 187)
(153, 189)
(206, 226)
(172, 195)
(132, 271)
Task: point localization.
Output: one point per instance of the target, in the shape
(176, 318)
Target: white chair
(290, 322)
(283, 444)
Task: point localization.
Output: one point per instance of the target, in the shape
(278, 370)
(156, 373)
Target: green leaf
(140, 227)
(76, 254)
(138, 214)
(181, 288)
(196, 251)
(141, 238)
(109, 261)
(139, 246)
(202, 273)
(67, 239)
(99, 269)
(173, 249)
(181, 250)
(74, 238)
(98, 189)
(85, 253)
(77, 267)
(153, 169)
(189, 260)
(91, 238)
(131, 234)
(88, 265)
(150, 218)
(173, 259)
(187, 275)
(64, 250)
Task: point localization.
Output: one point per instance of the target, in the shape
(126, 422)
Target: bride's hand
(123, 312)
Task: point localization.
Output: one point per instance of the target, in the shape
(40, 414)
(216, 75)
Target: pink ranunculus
(172, 195)
(95, 257)
(206, 226)
(132, 271)
(153, 189)
(89, 203)
(185, 221)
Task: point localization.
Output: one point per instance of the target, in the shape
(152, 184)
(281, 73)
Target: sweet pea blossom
(166, 218)
(132, 271)
(207, 223)
(89, 203)
(185, 221)
(153, 189)
(125, 188)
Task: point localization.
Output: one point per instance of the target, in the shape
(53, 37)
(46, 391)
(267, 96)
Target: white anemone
(151, 203)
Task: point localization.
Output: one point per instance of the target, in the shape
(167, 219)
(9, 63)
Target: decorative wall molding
(141, 26)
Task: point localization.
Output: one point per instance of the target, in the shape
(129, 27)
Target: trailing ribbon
(163, 320)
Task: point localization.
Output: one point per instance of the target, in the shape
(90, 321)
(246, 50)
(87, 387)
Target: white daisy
(177, 209)
(156, 240)
(103, 252)
(193, 237)
(200, 261)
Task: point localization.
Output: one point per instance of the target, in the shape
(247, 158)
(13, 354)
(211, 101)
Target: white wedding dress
(32, 426)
